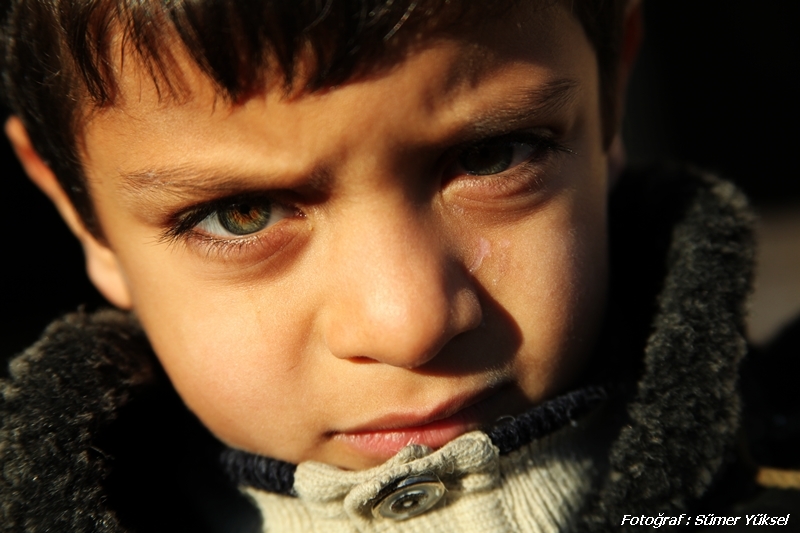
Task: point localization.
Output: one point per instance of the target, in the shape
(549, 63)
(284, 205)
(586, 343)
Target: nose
(398, 296)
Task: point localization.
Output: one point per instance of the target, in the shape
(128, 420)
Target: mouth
(382, 438)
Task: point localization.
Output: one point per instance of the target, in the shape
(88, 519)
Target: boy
(368, 244)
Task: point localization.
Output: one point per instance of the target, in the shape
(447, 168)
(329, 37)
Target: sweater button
(409, 497)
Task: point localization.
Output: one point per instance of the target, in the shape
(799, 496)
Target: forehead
(433, 85)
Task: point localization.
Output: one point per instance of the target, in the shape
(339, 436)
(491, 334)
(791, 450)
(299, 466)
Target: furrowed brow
(195, 181)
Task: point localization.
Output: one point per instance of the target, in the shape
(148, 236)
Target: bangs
(238, 43)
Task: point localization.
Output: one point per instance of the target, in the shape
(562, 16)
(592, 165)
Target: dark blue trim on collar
(272, 475)
(250, 470)
(545, 418)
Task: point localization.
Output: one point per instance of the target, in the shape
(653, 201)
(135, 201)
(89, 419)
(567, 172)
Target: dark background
(716, 84)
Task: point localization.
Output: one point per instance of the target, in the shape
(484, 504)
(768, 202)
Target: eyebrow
(521, 108)
(194, 181)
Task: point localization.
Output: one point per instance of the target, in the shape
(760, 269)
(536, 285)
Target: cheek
(549, 274)
(229, 351)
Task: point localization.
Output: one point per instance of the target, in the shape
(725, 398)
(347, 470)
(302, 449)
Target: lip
(383, 437)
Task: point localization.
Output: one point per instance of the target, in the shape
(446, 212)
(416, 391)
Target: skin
(393, 287)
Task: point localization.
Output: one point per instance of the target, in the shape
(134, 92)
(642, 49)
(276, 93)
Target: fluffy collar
(94, 438)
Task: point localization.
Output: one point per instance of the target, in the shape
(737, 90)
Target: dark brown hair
(57, 55)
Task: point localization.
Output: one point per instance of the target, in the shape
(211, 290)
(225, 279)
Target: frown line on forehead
(510, 111)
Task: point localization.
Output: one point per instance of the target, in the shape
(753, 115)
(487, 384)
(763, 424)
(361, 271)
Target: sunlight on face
(405, 257)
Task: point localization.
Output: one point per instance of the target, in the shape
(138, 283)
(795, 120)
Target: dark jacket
(94, 438)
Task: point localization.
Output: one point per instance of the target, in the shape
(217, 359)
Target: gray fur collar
(94, 438)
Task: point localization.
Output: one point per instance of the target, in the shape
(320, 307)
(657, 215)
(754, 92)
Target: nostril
(362, 360)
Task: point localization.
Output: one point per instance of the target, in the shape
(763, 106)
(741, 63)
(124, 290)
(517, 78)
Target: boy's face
(322, 275)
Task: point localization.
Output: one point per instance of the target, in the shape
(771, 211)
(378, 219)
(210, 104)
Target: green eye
(245, 218)
(240, 218)
(493, 157)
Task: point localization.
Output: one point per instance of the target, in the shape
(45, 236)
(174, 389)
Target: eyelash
(181, 226)
(543, 145)
(538, 138)
(527, 175)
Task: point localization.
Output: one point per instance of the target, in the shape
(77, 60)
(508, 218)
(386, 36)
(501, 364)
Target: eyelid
(185, 221)
(540, 133)
(242, 251)
(537, 137)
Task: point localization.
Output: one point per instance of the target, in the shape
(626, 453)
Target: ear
(102, 265)
(632, 33)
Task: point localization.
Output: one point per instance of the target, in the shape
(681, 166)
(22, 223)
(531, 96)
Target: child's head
(335, 219)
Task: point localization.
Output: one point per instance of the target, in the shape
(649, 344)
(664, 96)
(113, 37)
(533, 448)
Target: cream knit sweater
(534, 489)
